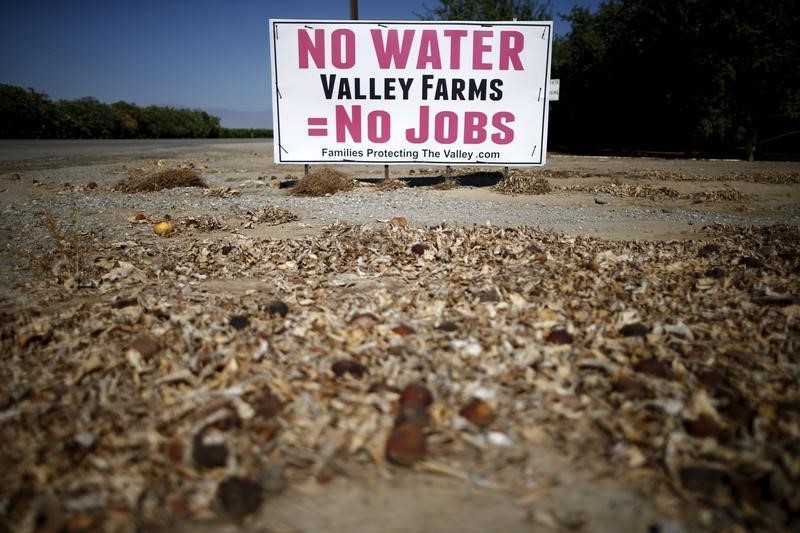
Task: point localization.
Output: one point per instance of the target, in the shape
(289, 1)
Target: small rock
(447, 326)
(92, 185)
(239, 496)
(600, 201)
(406, 444)
(84, 439)
(498, 438)
(478, 412)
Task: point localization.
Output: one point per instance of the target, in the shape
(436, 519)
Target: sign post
(448, 93)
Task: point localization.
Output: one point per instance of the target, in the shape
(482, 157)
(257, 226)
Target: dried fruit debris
(665, 366)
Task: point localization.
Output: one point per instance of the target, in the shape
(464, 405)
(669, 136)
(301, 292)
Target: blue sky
(202, 54)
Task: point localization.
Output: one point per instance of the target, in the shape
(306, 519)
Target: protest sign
(410, 92)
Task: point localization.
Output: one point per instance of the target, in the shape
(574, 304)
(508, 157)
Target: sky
(197, 54)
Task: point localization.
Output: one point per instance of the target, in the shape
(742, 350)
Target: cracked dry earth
(575, 384)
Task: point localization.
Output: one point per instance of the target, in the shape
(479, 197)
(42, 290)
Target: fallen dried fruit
(634, 330)
(239, 322)
(704, 426)
(415, 413)
(653, 367)
(174, 450)
(559, 336)
(750, 262)
(703, 479)
(348, 366)
(276, 307)
(478, 412)
(708, 250)
(416, 394)
(239, 496)
(402, 330)
(146, 346)
(633, 388)
(406, 444)
(400, 222)
(266, 405)
(209, 449)
(163, 228)
(418, 249)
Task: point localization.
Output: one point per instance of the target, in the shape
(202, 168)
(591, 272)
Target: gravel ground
(422, 206)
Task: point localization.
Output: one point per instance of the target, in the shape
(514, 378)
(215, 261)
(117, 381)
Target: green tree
(29, 114)
(128, 119)
(25, 114)
(699, 77)
(87, 118)
(488, 10)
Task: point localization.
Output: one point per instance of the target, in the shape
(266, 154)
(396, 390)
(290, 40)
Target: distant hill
(232, 118)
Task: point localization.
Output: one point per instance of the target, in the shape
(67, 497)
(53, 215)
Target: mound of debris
(159, 181)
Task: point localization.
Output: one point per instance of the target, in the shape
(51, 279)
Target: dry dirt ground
(634, 370)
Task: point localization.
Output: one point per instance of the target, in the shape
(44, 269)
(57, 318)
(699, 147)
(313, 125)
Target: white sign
(555, 88)
(410, 92)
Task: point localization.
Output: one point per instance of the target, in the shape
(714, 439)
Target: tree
(28, 114)
(25, 114)
(699, 77)
(488, 10)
